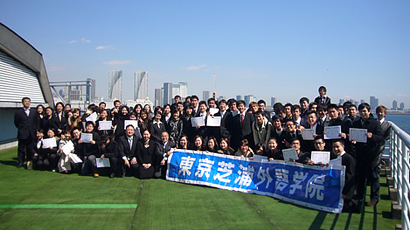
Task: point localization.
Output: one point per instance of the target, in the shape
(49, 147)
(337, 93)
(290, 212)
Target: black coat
(26, 125)
(124, 147)
(372, 145)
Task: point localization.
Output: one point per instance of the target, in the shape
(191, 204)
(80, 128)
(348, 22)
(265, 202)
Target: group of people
(242, 130)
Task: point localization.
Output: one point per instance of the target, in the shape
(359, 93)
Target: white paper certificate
(49, 142)
(320, 157)
(195, 121)
(92, 117)
(290, 154)
(75, 158)
(213, 121)
(102, 163)
(86, 137)
(307, 134)
(67, 148)
(131, 122)
(105, 125)
(212, 111)
(332, 132)
(358, 135)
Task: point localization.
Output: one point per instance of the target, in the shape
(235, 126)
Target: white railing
(400, 167)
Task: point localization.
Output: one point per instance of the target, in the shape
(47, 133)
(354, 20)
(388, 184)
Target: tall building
(394, 105)
(238, 97)
(183, 89)
(249, 99)
(341, 101)
(175, 91)
(374, 102)
(167, 93)
(206, 95)
(115, 85)
(158, 97)
(402, 106)
(141, 85)
(272, 101)
(90, 89)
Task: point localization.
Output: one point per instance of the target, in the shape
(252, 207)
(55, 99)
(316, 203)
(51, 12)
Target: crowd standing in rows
(245, 130)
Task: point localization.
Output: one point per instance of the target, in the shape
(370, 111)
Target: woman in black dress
(146, 156)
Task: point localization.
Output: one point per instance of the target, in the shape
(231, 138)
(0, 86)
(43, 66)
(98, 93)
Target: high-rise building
(183, 89)
(141, 85)
(238, 97)
(167, 93)
(249, 99)
(272, 101)
(341, 101)
(90, 89)
(206, 95)
(115, 85)
(158, 97)
(175, 91)
(374, 102)
(402, 106)
(394, 105)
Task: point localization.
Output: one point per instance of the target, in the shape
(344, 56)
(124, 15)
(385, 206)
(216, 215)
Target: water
(403, 121)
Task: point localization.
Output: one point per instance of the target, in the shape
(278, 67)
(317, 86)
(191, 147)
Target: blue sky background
(285, 49)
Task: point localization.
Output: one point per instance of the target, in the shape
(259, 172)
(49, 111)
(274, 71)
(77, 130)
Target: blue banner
(310, 186)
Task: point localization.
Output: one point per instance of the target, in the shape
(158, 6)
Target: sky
(285, 49)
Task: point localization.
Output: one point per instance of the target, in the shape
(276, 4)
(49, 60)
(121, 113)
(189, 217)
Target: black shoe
(112, 175)
(123, 175)
(19, 165)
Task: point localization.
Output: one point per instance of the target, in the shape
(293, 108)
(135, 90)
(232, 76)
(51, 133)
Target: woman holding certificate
(90, 149)
(104, 124)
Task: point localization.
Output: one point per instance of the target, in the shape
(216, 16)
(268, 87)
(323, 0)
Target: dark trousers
(368, 171)
(41, 162)
(25, 149)
(128, 171)
(89, 165)
(114, 164)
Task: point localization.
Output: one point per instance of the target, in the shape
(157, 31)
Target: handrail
(400, 168)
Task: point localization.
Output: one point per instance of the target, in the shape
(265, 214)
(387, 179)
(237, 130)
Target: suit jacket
(59, 123)
(26, 125)
(226, 124)
(242, 130)
(372, 145)
(161, 149)
(318, 100)
(124, 148)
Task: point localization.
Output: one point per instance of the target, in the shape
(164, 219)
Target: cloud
(402, 95)
(195, 67)
(117, 62)
(82, 40)
(104, 47)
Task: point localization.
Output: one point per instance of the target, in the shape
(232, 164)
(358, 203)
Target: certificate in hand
(358, 135)
(67, 148)
(320, 157)
(86, 137)
(307, 134)
(213, 121)
(92, 117)
(195, 121)
(212, 111)
(131, 122)
(332, 132)
(290, 154)
(105, 125)
(103, 163)
(49, 142)
(75, 158)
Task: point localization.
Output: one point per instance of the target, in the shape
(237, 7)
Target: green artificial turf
(160, 205)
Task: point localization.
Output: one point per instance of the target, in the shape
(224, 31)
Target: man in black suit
(323, 98)
(367, 155)
(242, 126)
(163, 151)
(226, 119)
(26, 121)
(127, 147)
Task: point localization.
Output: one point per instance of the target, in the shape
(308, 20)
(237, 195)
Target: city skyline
(115, 85)
(285, 49)
(141, 85)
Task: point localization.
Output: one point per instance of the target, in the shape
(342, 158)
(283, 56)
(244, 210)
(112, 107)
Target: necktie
(242, 117)
(130, 142)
